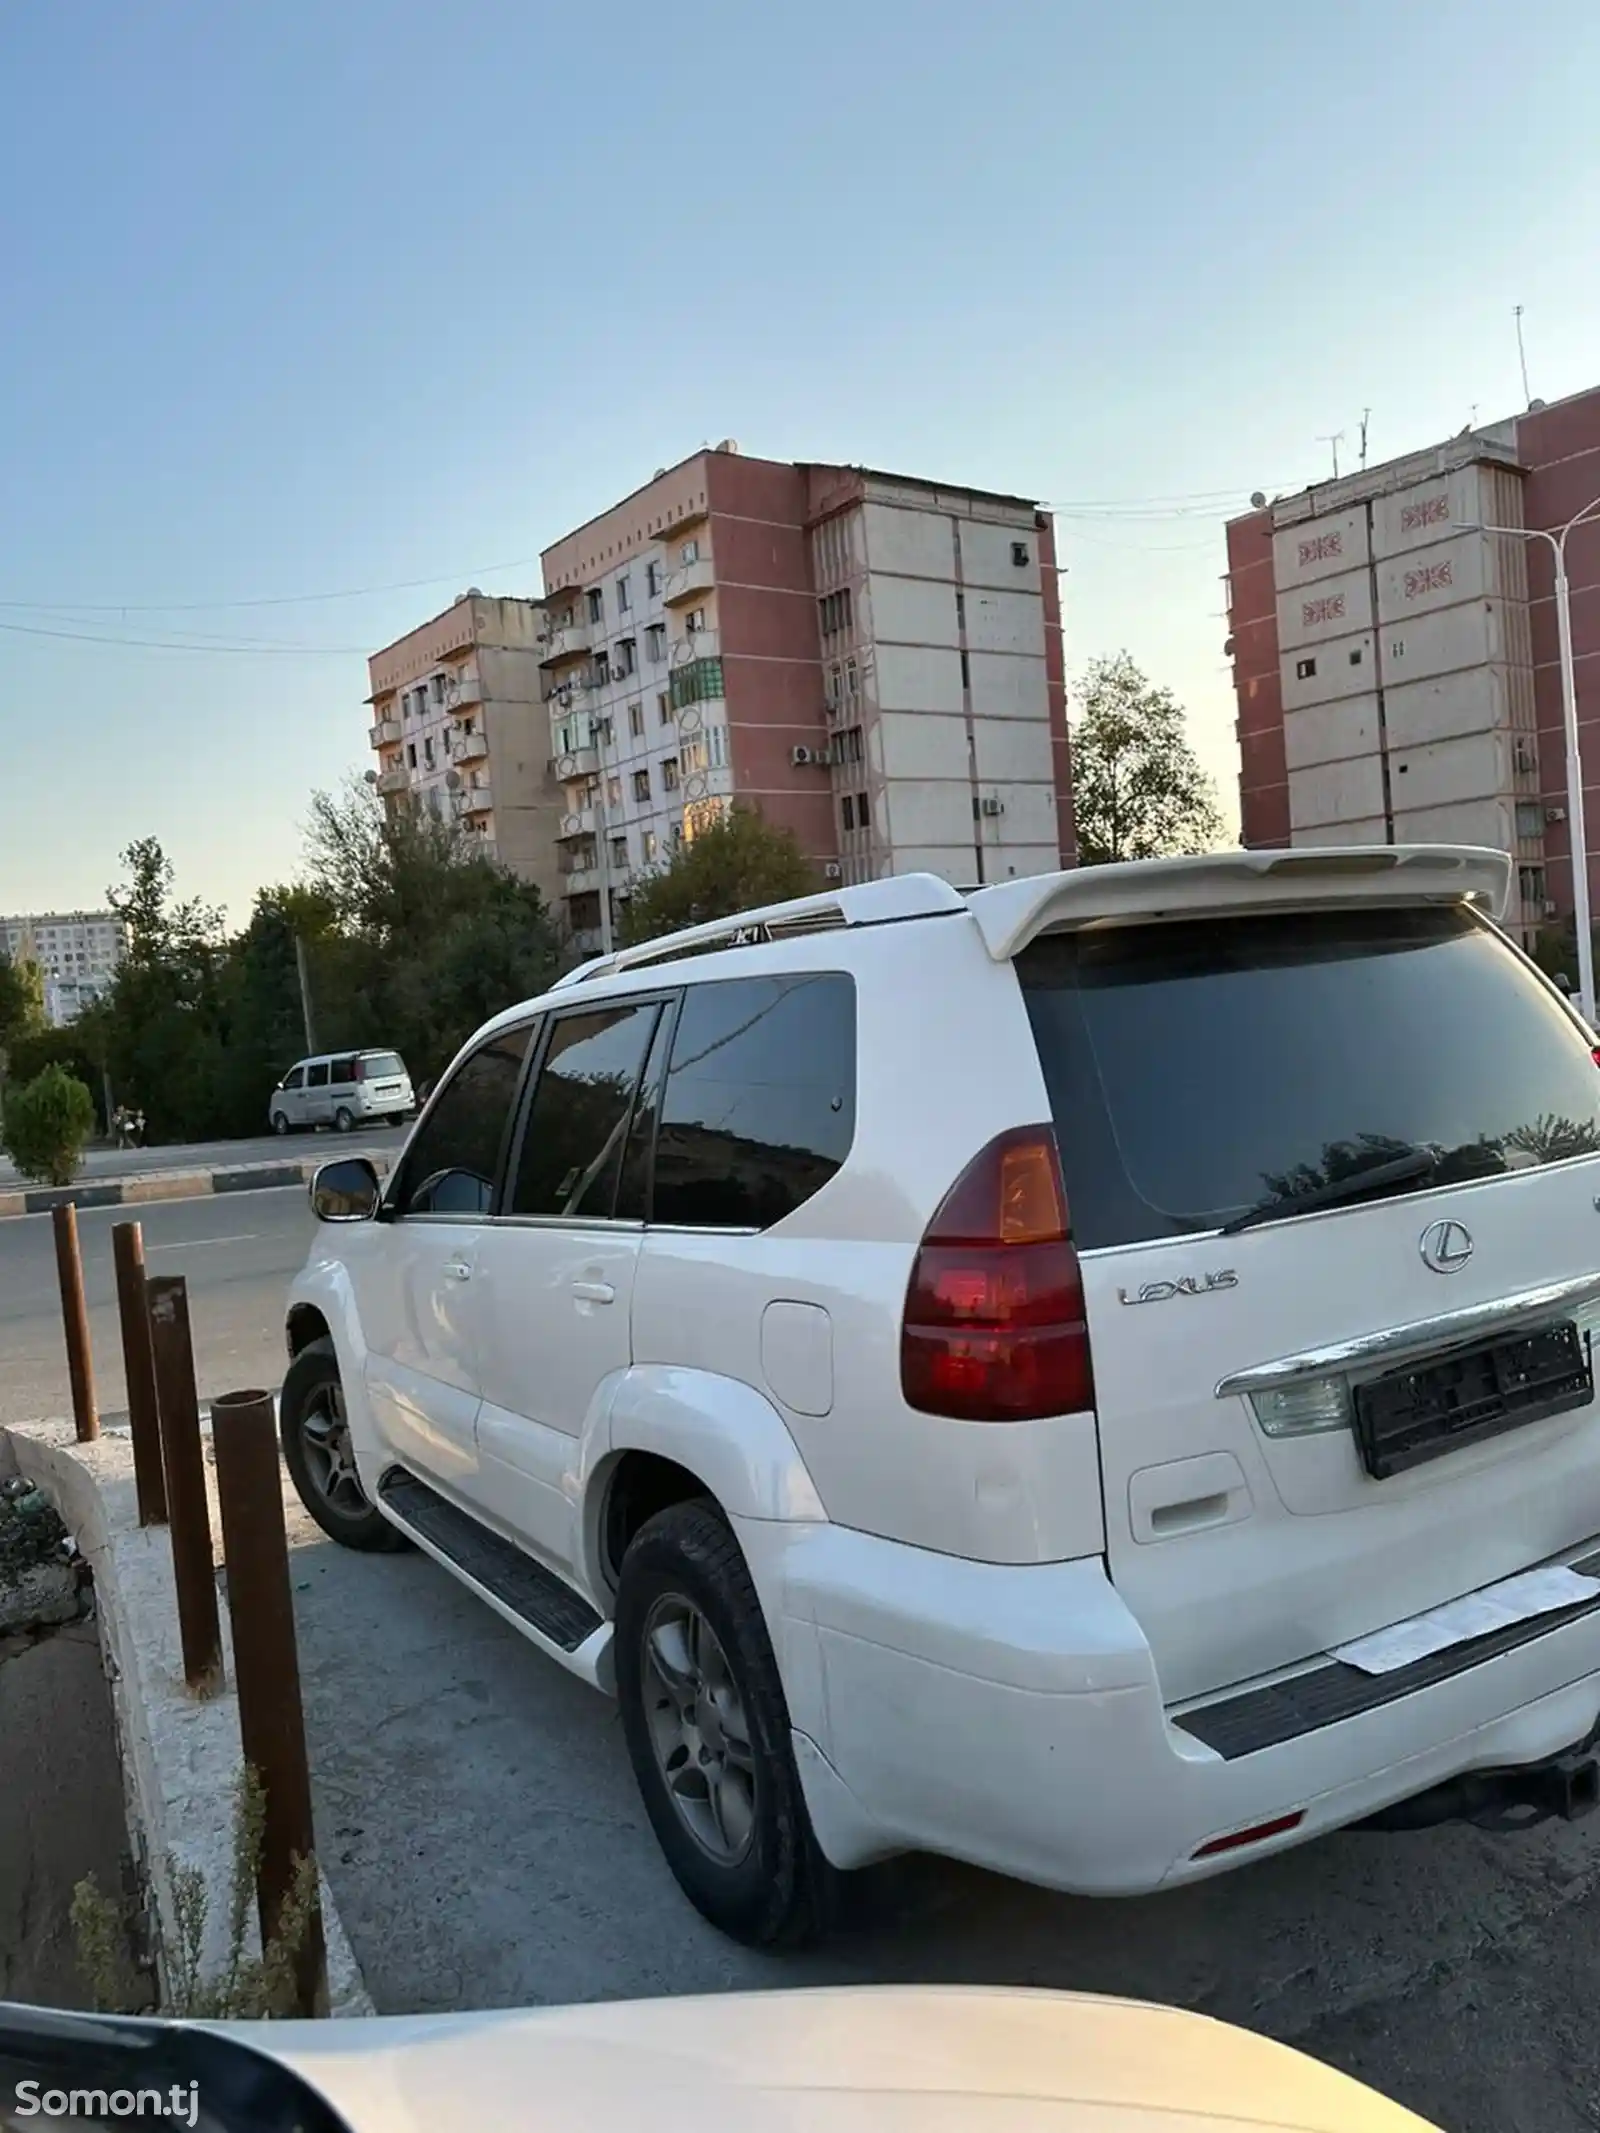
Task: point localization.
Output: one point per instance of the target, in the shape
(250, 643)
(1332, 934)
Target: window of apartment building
(852, 680)
(695, 620)
(619, 851)
(863, 818)
(613, 792)
(636, 720)
(1019, 554)
(717, 747)
(1531, 882)
(689, 552)
(623, 661)
(966, 671)
(602, 670)
(847, 811)
(411, 754)
(692, 756)
(675, 837)
(655, 643)
(648, 847)
(652, 579)
(597, 604)
(961, 609)
(850, 749)
(438, 688)
(834, 612)
(663, 709)
(624, 596)
(669, 774)
(1304, 669)
(641, 783)
(427, 750)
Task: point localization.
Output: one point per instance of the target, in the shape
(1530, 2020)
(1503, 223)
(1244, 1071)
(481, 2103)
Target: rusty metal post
(139, 1367)
(266, 1664)
(184, 1464)
(75, 1321)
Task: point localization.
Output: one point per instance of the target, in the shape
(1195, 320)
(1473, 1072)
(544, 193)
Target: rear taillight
(994, 1327)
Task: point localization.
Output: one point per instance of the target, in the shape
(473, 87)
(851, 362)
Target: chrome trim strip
(1445, 1330)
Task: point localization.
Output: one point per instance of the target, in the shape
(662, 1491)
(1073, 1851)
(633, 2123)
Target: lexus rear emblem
(1446, 1247)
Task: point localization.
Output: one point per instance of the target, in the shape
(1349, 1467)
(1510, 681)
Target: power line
(195, 607)
(183, 644)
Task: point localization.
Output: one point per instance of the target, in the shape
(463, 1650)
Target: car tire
(739, 1840)
(315, 1437)
(280, 1123)
(344, 1119)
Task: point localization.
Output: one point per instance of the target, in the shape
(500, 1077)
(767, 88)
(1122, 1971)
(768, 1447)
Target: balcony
(571, 641)
(395, 779)
(588, 940)
(576, 763)
(580, 881)
(580, 823)
(695, 644)
(476, 798)
(688, 581)
(468, 748)
(463, 688)
(385, 734)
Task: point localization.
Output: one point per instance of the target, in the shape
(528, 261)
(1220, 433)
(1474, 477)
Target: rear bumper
(1012, 1717)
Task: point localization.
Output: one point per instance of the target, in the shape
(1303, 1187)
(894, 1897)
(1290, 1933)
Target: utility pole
(304, 975)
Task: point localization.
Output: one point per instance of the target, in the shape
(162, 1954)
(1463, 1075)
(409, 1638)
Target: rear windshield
(381, 1066)
(1196, 1069)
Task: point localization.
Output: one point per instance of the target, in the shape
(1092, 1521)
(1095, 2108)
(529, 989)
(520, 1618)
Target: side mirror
(346, 1191)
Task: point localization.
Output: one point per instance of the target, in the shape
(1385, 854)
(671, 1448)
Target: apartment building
(1396, 664)
(78, 954)
(870, 660)
(459, 729)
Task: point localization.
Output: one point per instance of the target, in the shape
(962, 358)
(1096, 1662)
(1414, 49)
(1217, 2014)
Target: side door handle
(457, 1270)
(595, 1292)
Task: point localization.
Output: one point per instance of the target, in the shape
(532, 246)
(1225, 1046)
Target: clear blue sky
(307, 298)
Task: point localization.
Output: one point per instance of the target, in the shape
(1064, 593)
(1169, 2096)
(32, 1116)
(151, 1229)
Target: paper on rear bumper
(1475, 1614)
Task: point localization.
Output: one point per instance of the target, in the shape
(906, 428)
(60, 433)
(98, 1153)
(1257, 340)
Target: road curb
(170, 1185)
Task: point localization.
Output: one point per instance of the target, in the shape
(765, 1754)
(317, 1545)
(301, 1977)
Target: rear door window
(382, 1066)
(759, 1108)
(1197, 1069)
(343, 1071)
(577, 1128)
(317, 1075)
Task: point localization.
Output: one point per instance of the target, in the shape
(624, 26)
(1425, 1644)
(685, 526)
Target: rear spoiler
(1013, 913)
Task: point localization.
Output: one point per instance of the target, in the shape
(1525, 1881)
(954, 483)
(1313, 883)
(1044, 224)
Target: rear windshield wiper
(1400, 1170)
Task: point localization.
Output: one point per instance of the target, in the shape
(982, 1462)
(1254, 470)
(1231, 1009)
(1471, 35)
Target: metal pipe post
(193, 1568)
(266, 1665)
(139, 1367)
(75, 1322)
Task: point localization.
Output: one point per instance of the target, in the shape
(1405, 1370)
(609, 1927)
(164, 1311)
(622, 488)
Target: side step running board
(522, 1586)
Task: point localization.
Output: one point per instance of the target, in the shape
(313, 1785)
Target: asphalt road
(237, 1252)
(209, 1155)
(477, 1817)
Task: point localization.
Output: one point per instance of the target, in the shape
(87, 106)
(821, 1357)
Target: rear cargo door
(1333, 1175)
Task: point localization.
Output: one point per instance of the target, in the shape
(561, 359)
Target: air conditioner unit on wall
(831, 870)
(801, 755)
(992, 804)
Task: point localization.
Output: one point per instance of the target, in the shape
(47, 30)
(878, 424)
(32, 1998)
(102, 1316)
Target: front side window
(1199, 1071)
(295, 1078)
(451, 1164)
(759, 1108)
(572, 1144)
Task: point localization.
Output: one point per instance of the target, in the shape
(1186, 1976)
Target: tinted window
(1196, 1070)
(317, 1076)
(578, 1120)
(759, 1109)
(294, 1077)
(343, 1070)
(633, 1190)
(450, 1166)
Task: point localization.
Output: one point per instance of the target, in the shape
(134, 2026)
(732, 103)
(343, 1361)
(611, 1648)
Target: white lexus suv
(1090, 1376)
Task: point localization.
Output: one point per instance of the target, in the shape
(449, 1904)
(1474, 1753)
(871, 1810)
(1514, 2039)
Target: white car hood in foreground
(861, 2061)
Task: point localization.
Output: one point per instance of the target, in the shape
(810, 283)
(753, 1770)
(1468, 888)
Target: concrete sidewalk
(184, 1184)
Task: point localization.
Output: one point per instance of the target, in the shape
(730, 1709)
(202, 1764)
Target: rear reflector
(994, 1327)
(1259, 1835)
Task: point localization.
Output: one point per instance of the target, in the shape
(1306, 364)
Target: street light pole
(1577, 828)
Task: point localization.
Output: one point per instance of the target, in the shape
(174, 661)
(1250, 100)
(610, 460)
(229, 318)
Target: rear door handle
(595, 1292)
(457, 1270)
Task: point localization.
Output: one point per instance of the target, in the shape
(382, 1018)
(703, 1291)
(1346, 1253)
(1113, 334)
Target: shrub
(47, 1125)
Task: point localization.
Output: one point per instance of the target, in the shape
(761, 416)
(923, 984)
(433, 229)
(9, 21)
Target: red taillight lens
(1595, 1055)
(994, 1327)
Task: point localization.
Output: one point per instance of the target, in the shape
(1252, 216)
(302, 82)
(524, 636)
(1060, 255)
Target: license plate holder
(1426, 1409)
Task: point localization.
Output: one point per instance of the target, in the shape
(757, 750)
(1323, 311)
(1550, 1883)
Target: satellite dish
(452, 780)
(370, 777)
(1258, 499)
(1534, 406)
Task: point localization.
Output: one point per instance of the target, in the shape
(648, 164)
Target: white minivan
(343, 1090)
(1092, 1376)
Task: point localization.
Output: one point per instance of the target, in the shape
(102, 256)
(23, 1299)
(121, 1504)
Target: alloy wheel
(698, 1729)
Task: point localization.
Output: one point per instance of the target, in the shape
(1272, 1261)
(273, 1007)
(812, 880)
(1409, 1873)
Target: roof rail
(871, 903)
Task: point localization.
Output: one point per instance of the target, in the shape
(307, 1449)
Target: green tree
(1138, 791)
(21, 1003)
(163, 1017)
(47, 1126)
(735, 864)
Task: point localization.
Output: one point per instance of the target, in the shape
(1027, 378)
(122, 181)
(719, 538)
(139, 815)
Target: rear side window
(572, 1145)
(760, 1103)
(343, 1071)
(1198, 1069)
(451, 1164)
(317, 1076)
